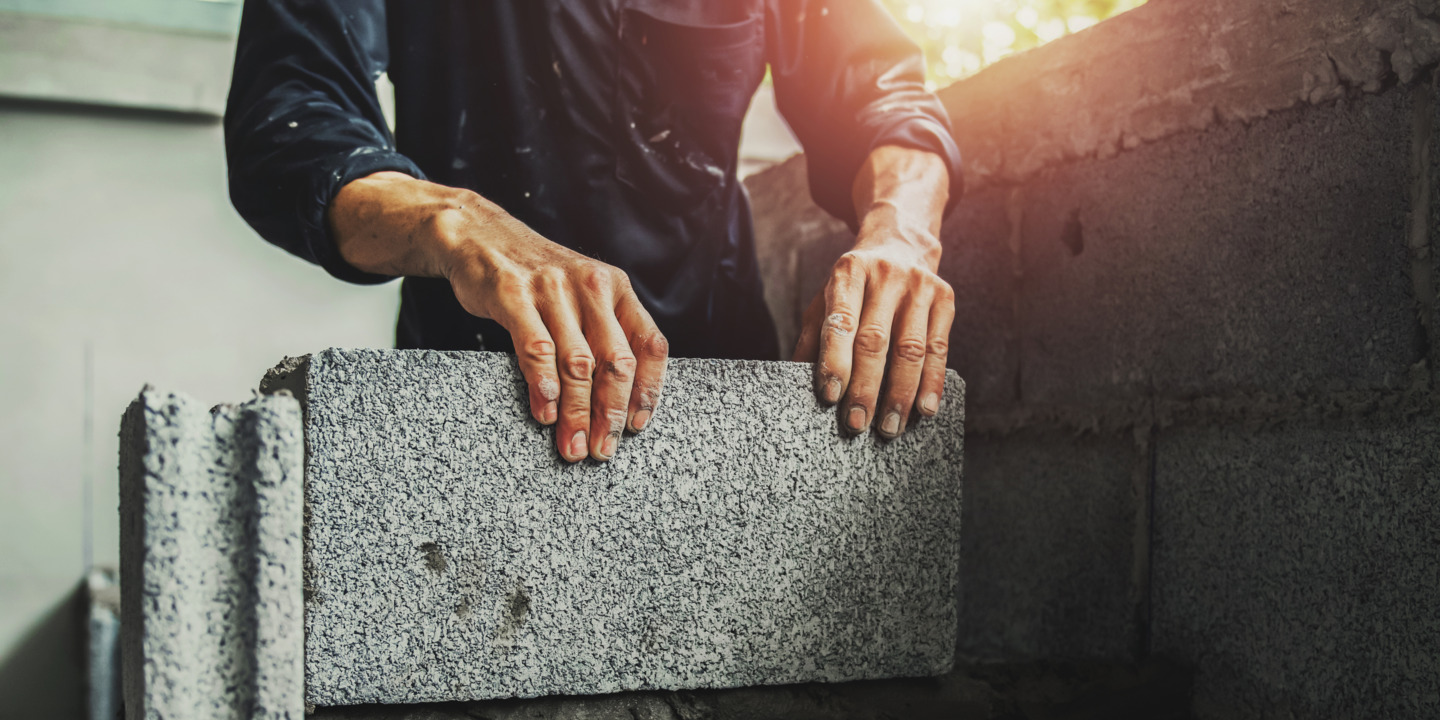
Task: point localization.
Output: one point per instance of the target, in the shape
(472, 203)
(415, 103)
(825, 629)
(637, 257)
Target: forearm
(904, 191)
(392, 224)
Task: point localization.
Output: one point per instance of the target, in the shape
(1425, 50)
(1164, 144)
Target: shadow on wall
(44, 677)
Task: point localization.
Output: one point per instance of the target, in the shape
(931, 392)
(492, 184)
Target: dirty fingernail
(547, 415)
(607, 447)
(577, 445)
(930, 403)
(857, 419)
(638, 423)
(832, 390)
(891, 426)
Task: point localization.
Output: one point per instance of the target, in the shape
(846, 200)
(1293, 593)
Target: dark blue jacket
(608, 126)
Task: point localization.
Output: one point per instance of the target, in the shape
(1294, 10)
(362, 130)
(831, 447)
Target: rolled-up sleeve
(848, 80)
(303, 119)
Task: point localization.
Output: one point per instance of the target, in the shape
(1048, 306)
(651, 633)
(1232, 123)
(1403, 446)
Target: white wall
(116, 232)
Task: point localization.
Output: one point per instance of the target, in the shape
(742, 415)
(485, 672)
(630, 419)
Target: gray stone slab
(1297, 567)
(1048, 561)
(210, 517)
(1268, 257)
(739, 540)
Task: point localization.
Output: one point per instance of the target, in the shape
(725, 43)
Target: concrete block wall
(1195, 313)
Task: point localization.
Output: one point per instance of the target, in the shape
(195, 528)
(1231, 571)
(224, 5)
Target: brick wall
(1194, 314)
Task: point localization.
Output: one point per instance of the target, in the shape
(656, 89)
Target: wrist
(885, 224)
(395, 224)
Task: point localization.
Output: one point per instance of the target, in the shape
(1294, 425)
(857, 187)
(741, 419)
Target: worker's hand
(592, 356)
(879, 331)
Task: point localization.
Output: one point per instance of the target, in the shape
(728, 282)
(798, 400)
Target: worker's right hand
(592, 356)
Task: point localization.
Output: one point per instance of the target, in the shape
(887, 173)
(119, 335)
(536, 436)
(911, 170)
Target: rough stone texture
(739, 540)
(210, 517)
(1296, 567)
(1022, 691)
(1049, 557)
(1263, 258)
(1174, 65)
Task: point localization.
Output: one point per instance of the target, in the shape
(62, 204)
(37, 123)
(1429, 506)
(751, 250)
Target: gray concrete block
(210, 513)
(1048, 561)
(739, 540)
(1268, 257)
(1297, 567)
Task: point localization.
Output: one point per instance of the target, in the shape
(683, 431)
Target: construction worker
(562, 184)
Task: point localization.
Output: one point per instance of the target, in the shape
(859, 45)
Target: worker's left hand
(879, 331)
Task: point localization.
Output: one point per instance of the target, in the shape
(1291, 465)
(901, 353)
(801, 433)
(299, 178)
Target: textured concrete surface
(210, 506)
(1296, 567)
(739, 540)
(1263, 258)
(1018, 691)
(1048, 559)
(1172, 66)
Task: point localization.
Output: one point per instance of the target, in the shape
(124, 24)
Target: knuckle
(872, 340)
(654, 345)
(910, 349)
(939, 346)
(549, 280)
(538, 349)
(883, 266)
(944, 292)
(840, 322)
(579, 367)
(595, 279)
(619, 367)
(847, 264)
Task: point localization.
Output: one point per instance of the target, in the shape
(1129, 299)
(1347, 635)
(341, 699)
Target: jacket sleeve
(303, 119)
(848, 80)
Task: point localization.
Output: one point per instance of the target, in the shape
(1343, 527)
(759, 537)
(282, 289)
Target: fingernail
(642, 417)
(930, 404)
(577, 446)
(832, 390)
(548, 415)
(607, 447)
(891, 426)
(857, 419)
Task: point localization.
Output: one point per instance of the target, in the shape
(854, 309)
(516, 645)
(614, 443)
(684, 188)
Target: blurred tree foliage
(961, 36)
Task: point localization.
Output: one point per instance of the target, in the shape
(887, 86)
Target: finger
(937, 352)
(871, 348)
(807, 346)
(651, 350)
(614, 373)
(535, 350)
(906, 361)
(844, 295)
(576, 365)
